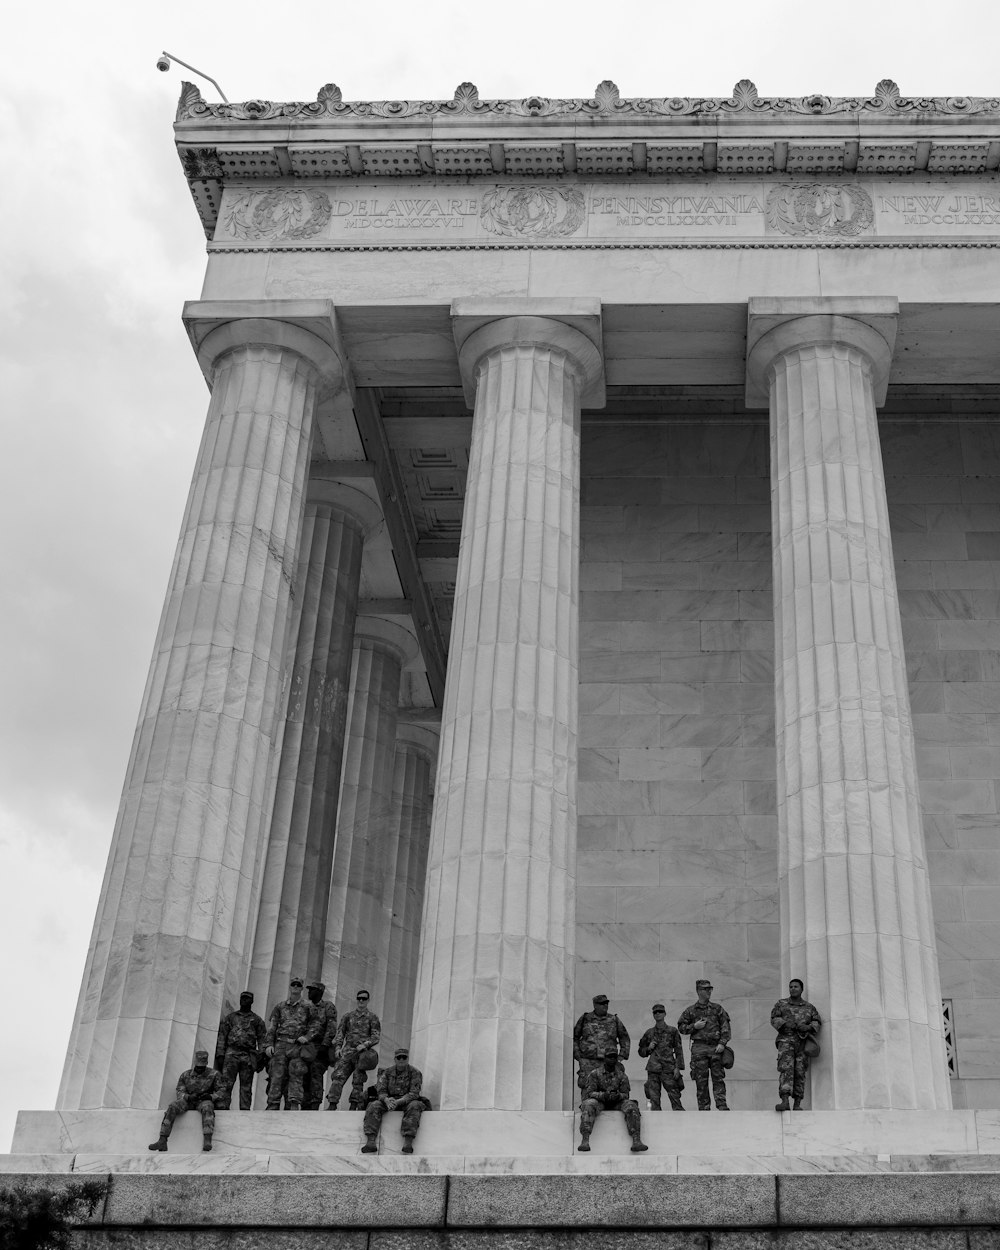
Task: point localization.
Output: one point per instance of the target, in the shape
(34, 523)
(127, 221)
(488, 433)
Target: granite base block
(629, 1201)
(890, 1199)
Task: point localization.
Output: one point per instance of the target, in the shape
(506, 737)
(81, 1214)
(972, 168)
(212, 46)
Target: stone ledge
(419, 1206)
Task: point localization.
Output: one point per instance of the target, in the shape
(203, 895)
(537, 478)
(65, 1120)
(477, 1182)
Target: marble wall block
(678, 874)
(174, 928)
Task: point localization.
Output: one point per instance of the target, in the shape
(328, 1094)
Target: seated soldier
(398, 1090)
(608, 1089)
(202, 1089)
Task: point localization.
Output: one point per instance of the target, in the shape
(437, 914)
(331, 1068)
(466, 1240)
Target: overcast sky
(103, 403)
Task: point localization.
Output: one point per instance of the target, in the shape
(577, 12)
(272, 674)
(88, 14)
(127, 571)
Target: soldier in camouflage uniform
(608, 1089)
(291, 1037)
(796, 1021)
(593, 1034)
(710, 1030)
(662, 1046)
(326, 1014)
(398, 1090)
(359, 1031)
(238, 1049)
(200, 1088)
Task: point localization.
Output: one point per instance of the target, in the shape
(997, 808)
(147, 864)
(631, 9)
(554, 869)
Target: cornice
(743, 135)
(606, 102)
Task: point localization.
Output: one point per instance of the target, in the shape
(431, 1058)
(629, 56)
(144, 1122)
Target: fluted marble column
(855, 900)
(409, 827)
(494, 989)
(175, 920)
(363, 859)
(291, 921)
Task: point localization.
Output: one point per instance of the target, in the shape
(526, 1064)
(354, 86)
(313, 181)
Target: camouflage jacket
(289, 1021)
(594, 1034)
(326, 1014)
(608, 1088)
(403, 1086)
(716, 1030)
(794, 1019)
(207, 1085)
(241, 1031)
(662, 1044)
(360, 1029)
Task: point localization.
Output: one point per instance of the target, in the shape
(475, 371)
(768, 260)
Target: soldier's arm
(777, 1016)
(221, 1040)
(816, 1021)
(644, 1044)
(382, 1084)
(413, 1090)
(577, 1034)
(315, 1028)
(685, 1021)
(259, 1032)
(590, 1089)
(624, 1041)
(374, 1032)
(678, 1048)
(725, 1028)
(182, 1088)
(272, 1025)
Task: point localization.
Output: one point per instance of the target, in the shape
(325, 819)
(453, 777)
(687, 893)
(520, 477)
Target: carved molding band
(329, 102)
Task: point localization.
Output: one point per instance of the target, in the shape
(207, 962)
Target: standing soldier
(326, 1015)
(797, 1023)
(595, 1033)
(291, 1029)
(200, 1088)
(662, 1045)
(710, 1031)
(355, 1052)
(608, 1089)
(238, 1050)
(398, 1090)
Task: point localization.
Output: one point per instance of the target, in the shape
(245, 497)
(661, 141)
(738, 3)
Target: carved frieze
(279, 215)
(606, 101)
(832, 211)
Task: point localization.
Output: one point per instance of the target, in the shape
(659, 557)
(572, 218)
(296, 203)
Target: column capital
(334, 491)
(424, 738)
(779, 325)
(570, 325)
(306, 326)
(389, 633)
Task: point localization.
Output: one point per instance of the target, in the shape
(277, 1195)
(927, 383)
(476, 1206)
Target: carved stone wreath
(279, 214)
(535, 212)
(823, 210)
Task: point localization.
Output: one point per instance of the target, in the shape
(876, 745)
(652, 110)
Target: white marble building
(590, 582)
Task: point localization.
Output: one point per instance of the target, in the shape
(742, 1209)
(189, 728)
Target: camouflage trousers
(238, 1063)
(314, 1081)
(347, 1067)
(705, 1061)
(411, 1117)
(671, 1086)
(288, 1073)
(793, 1064)
(590, 1109)
(180, 1105)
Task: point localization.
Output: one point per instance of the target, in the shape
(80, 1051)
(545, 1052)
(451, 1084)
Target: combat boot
(583, 1147)
(407, 1145)
(206, 1141)
(369, 1148)
(796, 1104)
(637, 1144)
(159, 1144)
(783, 1105)
(293, 1106)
